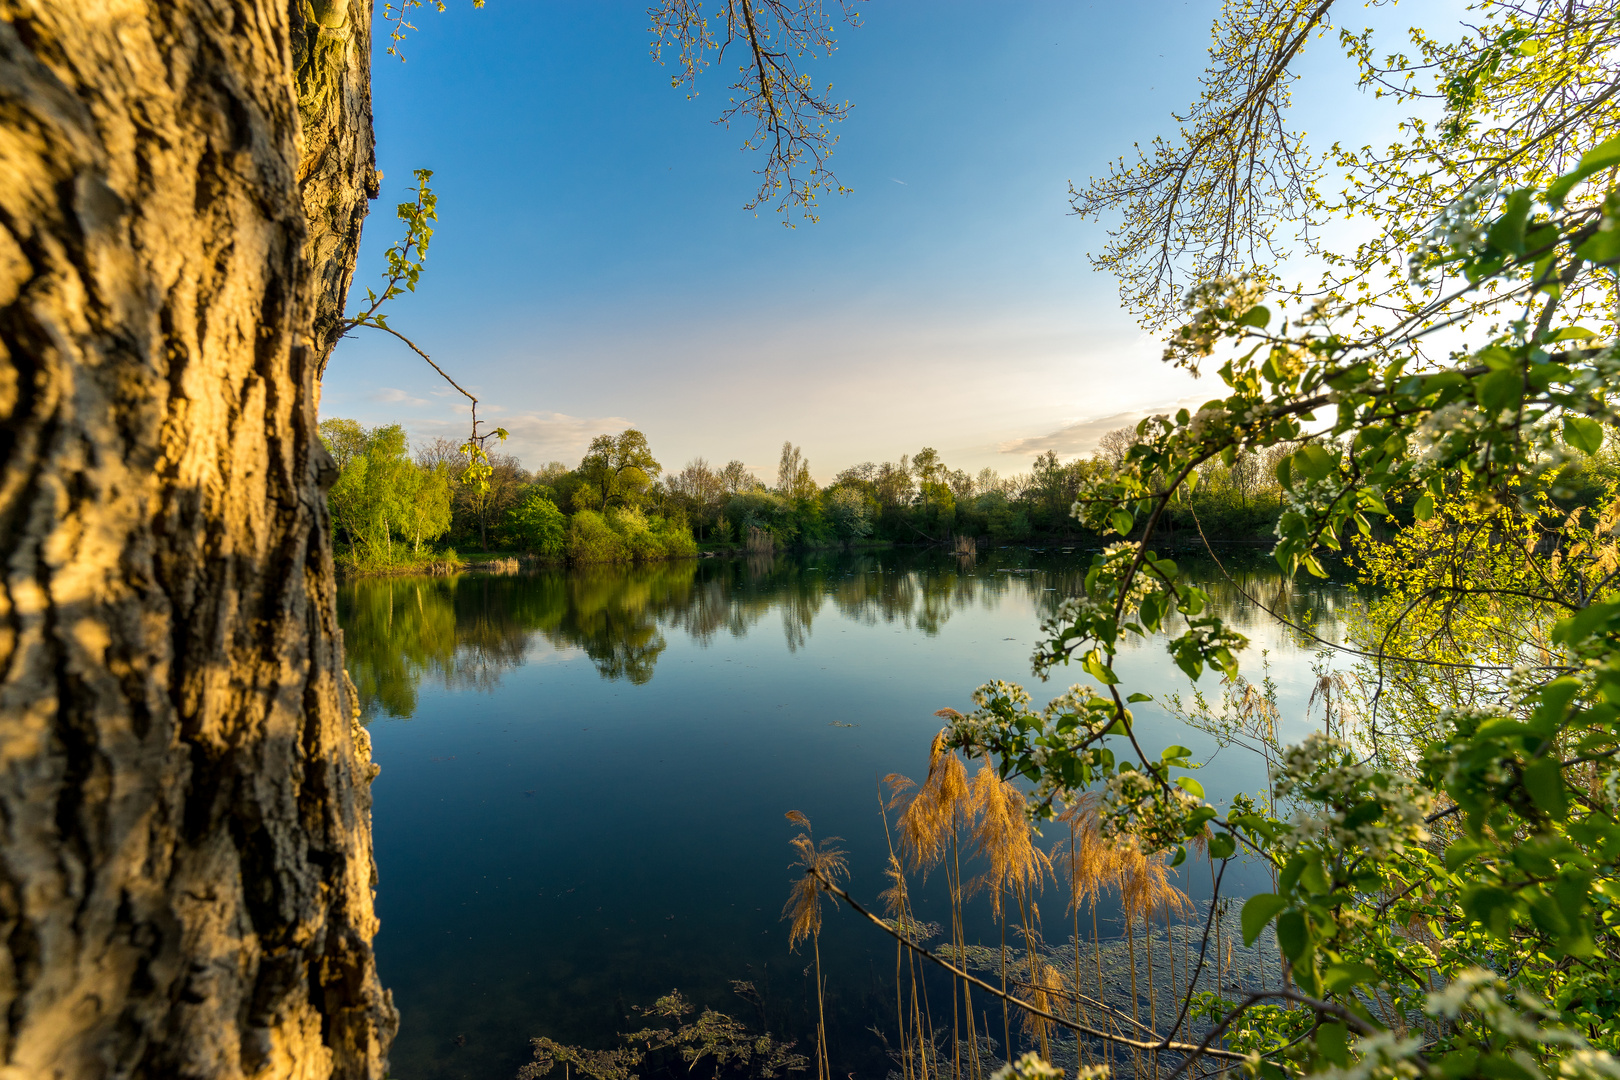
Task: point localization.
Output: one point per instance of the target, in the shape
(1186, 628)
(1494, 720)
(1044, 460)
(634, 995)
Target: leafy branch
(790, 116)
(405, 259)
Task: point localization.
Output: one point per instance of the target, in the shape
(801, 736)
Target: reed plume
(897, 900)
(1045, 993)
(1002, 835)
(1146, 892)
(1090, 864)
(821, 864)
(931, 818)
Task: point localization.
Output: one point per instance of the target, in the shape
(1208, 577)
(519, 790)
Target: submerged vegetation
(674, 1046)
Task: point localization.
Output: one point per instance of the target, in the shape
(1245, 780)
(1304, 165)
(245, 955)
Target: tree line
(397, 506)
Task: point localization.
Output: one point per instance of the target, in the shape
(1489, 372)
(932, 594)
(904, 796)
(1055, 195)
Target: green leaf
(1491, 906)
(1462, 851)
(1285, 474)
(1583, 433)
(1423, 509)
(1363, 814)
(1341, 977)
(1313, 461)
(1507, 234)
(1595, 160)
(1292, 936)
(1544, 780)
(1499, 390)
(1172, 752)
(1315, 876)
(1255, 316)
(1188, 784)
(1121, 521)
(1222, 846)
(1258, 910)
(1134, 698)
(1333, 1043)
(1601, 247)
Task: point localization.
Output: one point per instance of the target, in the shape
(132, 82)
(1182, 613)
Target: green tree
(429, 516)
(375, 498)
(850, 513)
(619, 469)
(793, 474)
(537, 525)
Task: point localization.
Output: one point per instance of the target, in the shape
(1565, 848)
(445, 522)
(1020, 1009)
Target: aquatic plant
(822, 864)
(725, 1043)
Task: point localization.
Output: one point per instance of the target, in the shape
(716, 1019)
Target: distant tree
(620, 469)
(441, 451)
(1114, 445)
(787, 470)
(962, 484)
(345, 440)
(699, 489)
(736, 478)
(429, 515)
(927, 466)
(893, 483)
(484, 505)
(793, 474)
(374, 497)
(862, 477)
(850, 513)
(551, 472)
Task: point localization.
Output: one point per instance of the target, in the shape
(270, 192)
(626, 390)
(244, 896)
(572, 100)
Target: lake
(585, 775)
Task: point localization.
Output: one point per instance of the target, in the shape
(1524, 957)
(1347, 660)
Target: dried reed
(818, 863)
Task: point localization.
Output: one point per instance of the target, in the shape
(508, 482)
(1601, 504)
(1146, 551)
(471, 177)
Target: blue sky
(594, 268)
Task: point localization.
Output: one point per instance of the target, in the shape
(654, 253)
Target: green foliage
(538, 526)
(1483, 812)
(382, 501)
(850, 514)
(626, 535)
(592, 540)
(619, 470)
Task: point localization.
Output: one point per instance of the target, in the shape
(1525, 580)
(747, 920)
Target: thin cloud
(390, 395)
(1081, 437)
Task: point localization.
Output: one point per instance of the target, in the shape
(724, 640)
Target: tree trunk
(186, 871)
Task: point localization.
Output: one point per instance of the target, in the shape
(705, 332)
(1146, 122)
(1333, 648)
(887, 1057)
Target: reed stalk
(818, 864)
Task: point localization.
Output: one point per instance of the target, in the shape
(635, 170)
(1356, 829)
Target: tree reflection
(466, 632)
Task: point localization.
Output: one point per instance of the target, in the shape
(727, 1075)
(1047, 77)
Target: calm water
(584, 776)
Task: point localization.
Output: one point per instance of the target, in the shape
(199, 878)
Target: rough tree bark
(186, 871)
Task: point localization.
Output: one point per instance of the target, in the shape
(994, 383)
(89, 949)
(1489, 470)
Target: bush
(677, 540)
(538, 526)
(592, 540)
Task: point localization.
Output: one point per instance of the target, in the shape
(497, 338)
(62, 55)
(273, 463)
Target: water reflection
(465, 632)
(573, 835)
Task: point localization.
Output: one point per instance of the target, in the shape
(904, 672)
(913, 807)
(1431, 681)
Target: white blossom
(1032, 1067)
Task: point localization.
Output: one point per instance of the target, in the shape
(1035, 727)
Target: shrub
(592, 540)
(537, 525)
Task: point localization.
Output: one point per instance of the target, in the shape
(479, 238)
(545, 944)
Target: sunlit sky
(594, 268)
